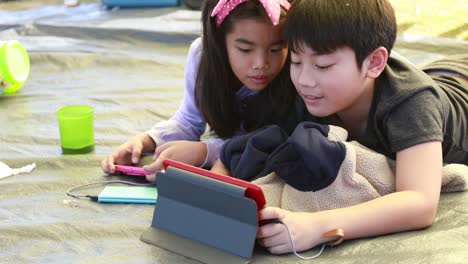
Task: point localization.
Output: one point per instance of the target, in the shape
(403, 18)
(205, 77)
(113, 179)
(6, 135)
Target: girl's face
(330, 84)
(256, 52)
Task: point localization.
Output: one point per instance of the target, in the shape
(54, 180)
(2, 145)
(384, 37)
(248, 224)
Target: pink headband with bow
(272, 7)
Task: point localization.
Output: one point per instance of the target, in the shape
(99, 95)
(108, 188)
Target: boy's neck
(355, 118)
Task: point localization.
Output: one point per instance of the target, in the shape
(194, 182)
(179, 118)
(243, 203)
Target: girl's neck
(238, 84)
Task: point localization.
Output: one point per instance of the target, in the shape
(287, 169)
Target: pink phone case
(131, 170)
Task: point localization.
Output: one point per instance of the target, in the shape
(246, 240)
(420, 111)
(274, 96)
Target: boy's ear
(375, 62)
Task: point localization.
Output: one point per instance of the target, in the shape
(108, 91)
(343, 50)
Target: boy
(342, 68)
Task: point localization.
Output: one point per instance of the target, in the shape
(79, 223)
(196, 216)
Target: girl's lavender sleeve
(188, 122)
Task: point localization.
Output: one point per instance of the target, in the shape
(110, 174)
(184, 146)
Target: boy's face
(256, 52)
(330, 83)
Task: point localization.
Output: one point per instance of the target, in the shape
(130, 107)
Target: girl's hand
(219, 167)
(128, 153)
(305, 233)
(188, 152)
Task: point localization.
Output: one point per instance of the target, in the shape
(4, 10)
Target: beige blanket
(364, 175)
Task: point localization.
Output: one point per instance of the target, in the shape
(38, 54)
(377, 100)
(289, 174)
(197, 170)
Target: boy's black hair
(216, 84)
(326, 25)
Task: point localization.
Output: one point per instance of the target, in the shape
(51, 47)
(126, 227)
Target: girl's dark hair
(216, 84)
(326, 25)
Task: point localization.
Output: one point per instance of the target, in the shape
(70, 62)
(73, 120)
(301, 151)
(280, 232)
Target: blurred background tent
(442, 18)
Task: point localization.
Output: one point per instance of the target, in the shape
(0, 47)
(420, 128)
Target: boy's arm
(412, 206)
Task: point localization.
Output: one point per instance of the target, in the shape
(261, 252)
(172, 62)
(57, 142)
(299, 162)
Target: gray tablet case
(202, 218)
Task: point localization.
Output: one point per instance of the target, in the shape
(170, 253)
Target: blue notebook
(128, 194)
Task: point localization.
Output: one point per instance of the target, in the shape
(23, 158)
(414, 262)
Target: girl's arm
(188, 122)
(179, 137)
(219, 167)
(195, 153)
(412, 206)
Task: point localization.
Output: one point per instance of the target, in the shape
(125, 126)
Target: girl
(237, 67)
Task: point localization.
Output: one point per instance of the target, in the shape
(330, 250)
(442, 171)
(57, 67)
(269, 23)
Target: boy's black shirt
(410, 107)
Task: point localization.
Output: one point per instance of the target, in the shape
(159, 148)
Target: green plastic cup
(76, 129)
(14, 66)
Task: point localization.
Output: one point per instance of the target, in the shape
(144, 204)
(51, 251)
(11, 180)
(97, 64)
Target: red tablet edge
(252, 191)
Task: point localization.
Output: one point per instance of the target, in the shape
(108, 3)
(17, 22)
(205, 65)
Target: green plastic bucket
(14, 66)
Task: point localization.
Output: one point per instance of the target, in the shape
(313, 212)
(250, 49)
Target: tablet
(253, 191)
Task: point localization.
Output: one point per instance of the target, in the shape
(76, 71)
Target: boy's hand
(274, 236)
(128, 153)
(188, 152)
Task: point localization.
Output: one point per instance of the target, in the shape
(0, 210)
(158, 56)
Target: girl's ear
(375, 62)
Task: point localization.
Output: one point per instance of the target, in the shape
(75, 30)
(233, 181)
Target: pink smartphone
(131, 170)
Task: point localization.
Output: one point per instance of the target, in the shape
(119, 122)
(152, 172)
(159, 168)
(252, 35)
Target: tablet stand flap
(189, 248)
(211, 217)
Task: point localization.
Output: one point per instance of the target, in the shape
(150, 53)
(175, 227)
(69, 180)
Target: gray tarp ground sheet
(128, 65)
